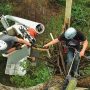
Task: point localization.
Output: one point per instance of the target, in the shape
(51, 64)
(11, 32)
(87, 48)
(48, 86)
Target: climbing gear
(73, 43)
(26, 35)
(71, 81)
(70, 33)
(3, 45)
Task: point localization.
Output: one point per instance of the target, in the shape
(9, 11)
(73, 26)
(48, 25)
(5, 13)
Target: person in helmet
(72, 38)
(7, 43)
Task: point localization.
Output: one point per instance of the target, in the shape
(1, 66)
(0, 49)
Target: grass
(54, 26)
(35, 75)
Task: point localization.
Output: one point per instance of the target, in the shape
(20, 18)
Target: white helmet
(3, 45)
(70, 33)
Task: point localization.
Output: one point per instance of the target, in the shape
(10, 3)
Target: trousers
(70, 57)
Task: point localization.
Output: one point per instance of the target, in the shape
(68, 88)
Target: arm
(11, 50)
(20, 41)
(85, 45)
(51, 43)
(23, 42)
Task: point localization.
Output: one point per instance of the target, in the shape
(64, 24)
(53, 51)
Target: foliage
(85, 3)
(54, 25)
(5, 9)
(78, 16)
(80, 20)
(24, 64)
(35, 75)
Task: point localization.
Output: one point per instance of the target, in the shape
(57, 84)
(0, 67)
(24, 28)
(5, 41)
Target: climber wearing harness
(72, 38)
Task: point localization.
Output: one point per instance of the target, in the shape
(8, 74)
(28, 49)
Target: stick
(42, 49)
(58, 56)
(62, 59)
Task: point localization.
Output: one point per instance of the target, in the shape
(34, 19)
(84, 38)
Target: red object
(32, 32)
(65, 50)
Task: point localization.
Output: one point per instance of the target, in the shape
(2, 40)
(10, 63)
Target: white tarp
(14, 62)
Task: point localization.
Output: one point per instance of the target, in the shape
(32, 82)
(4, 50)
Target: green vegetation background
(80, 20)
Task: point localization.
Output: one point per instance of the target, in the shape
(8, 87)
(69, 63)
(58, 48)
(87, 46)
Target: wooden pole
(62, 58)
(67, 14)
(66, 25)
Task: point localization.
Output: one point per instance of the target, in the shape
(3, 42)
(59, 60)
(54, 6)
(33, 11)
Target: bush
(5, 8)
(35, 75)
(79, 16)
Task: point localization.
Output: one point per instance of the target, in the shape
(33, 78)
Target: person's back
(9, 41)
